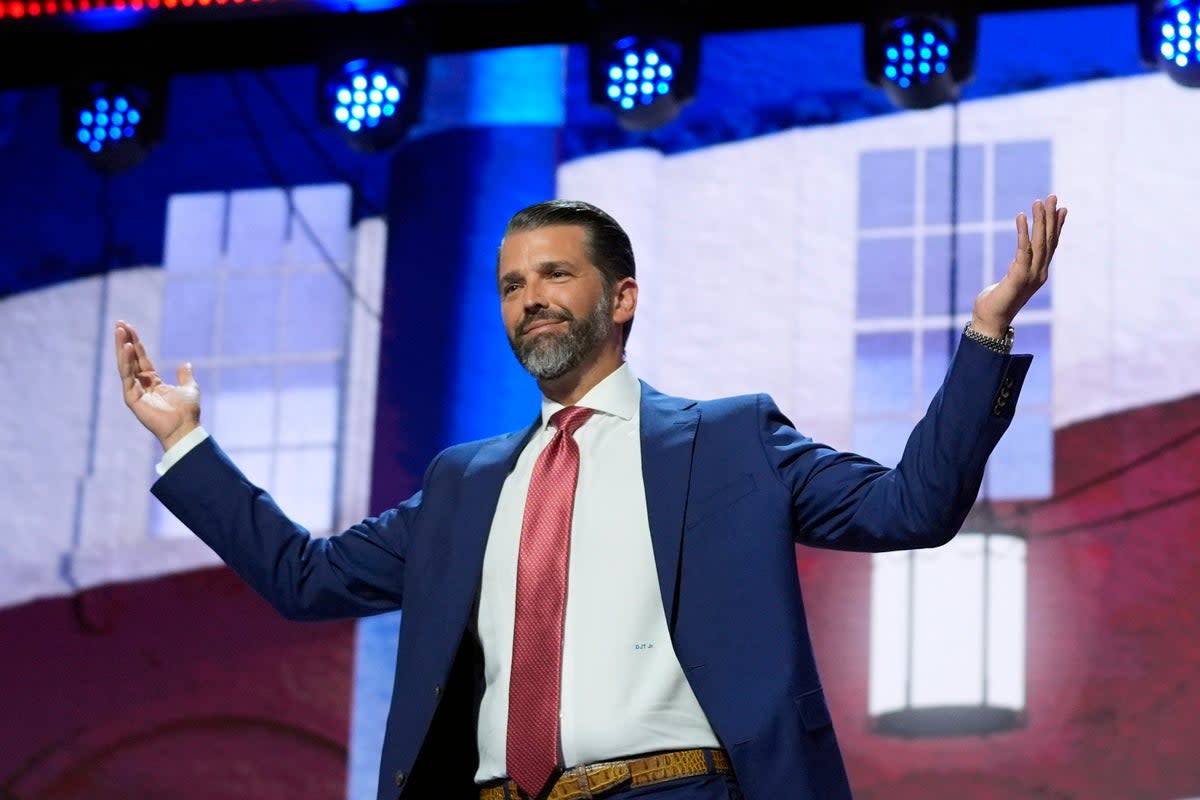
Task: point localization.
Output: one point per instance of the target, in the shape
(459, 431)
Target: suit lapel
(668, 430)
(483, 479)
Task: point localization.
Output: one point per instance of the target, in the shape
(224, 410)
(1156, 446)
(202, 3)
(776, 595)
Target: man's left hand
(998, 304)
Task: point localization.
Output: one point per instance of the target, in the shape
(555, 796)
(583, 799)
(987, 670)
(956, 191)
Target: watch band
(1003, 346)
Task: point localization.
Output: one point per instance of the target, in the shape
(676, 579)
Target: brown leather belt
(590, 781)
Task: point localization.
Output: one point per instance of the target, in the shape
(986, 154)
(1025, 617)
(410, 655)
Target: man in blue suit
(673, 657)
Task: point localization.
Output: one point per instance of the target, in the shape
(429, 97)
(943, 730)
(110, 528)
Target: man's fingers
(120, 337)
(145, 366)
(127, 359)
(131, 356)
(1051, 228)
(1038, 239)
(1023, 249)
(126, 363)
(1059, 220)
(184, 375)
(129, 329)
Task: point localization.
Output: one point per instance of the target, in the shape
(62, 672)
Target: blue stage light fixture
(921, 60)
(645, 80)
(1170, 39)
(373, 103)
(113, 125)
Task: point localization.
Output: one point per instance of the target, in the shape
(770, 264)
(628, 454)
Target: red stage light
(18, 9)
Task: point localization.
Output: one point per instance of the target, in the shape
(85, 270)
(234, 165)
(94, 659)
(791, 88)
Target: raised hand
(998, 304)
(169, 412)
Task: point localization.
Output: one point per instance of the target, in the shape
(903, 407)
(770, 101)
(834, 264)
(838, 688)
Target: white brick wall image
(77, 466)
(747, 251)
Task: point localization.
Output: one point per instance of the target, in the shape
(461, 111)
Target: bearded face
(552, 351)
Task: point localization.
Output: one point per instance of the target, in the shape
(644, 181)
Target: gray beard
(552, 355)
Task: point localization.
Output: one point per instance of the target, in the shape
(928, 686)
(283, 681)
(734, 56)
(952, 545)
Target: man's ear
(625, 295)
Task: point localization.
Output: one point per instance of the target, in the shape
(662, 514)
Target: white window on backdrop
(935, 227)
(258, 296)
(919, 270)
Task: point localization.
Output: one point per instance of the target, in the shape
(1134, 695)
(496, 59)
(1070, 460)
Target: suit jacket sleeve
(355, 573)
(847, 501)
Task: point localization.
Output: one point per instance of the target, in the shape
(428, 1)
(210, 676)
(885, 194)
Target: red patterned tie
(534, 685)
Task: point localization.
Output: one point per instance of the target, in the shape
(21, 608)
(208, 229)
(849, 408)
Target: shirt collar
(617, 395)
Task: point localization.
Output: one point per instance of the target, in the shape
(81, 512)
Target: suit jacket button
(437, 691)
(400, 778)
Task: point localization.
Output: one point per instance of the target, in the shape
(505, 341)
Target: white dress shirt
(623, 690)
(180, 449)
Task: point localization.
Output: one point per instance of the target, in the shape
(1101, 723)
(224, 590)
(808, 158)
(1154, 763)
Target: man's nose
(534, 297)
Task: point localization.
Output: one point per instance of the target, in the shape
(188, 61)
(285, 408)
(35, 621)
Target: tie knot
(570, 418)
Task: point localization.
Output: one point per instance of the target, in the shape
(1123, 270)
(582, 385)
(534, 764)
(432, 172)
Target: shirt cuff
(180, 449)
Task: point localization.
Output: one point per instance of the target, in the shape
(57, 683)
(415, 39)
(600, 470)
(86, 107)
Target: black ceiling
(46, 51)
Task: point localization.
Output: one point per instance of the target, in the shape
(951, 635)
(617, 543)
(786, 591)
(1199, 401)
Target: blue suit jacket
(731, 487)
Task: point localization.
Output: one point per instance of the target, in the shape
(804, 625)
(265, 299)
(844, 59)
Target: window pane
(887, 185)
(308, 403)
(885, 277)
(883, 373)
(189, 313)
(195, 231)
(304, 486)
(935, 360)
(257, 229)
(938, 168)
(256, 465)
(316, 312)
(243, 408)
(324, 232)
(968, 272)
(250, 323)
(1022, 175)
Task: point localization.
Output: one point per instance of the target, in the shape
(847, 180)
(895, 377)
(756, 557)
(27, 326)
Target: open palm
(998, 304)
(168, 411)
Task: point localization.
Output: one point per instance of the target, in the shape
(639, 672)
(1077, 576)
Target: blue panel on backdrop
(492, 392)
(488, 147)
(512, 86)
(446, 373)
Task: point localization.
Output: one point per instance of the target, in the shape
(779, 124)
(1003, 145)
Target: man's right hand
(169, 412)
